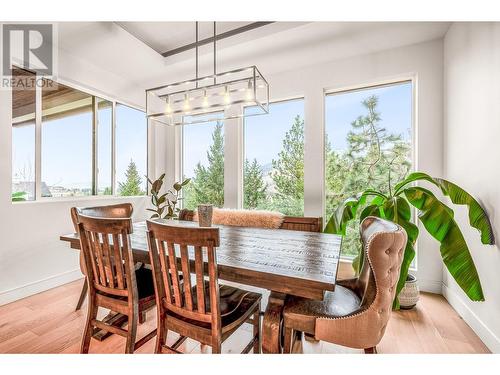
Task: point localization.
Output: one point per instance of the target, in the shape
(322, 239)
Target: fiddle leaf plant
(165, 204)
(436, 217)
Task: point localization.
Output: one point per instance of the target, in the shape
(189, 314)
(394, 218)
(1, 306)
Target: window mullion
(95, 125)
(113, 148)
(38, 139)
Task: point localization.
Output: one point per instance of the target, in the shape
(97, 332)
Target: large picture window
(203, 162)
(131, 151)
(368, 144)
(23, 136)
(84, 145)
(66, 142)
(273, 175)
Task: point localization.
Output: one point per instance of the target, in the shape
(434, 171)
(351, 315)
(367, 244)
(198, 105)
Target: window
(104, 146)
(74, 147)
(131, 151)
(23, 136)
(66, 142)
(368, 134)
(273, 175)
(203, 162)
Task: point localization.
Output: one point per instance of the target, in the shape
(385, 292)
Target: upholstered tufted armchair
(356, 314)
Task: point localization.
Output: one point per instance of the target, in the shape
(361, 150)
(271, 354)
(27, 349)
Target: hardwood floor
(47, 323)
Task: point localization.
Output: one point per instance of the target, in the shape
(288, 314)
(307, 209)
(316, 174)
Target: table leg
(272, 324)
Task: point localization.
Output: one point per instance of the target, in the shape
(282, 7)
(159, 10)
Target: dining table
(285, 262)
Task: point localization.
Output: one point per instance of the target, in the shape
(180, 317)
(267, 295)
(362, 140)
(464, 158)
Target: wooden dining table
(285, 262)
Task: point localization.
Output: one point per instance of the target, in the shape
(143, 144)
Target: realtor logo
(28, 46)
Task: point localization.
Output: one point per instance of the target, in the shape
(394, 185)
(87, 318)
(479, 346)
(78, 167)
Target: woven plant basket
(409, 295)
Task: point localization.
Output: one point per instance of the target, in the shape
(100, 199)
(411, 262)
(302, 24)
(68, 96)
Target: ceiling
(133, 49)
(166, 36)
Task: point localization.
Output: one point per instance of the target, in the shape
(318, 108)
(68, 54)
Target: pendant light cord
(215, 54)
(196, 54)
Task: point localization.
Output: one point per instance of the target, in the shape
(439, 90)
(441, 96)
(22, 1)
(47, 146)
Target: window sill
(80, 199)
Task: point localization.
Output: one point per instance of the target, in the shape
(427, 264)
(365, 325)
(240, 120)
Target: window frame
(38, 142)
(412, 79)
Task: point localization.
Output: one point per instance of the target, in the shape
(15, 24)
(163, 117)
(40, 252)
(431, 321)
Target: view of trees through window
(67, 141)
(273, 175)
(203, 162)
(367, 145)
(131, 151)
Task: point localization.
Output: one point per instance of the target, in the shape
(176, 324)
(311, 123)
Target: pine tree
(288, 171)
(207, 186)
(254, 186)
(133, 181)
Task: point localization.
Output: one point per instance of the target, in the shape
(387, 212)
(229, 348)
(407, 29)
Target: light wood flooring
(47, 323)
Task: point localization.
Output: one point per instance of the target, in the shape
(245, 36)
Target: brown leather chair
(356, 314)
(113, 282)
(122, 210)
(199, 307)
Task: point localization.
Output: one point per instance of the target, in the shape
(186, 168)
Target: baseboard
(486, 335)
(431, 286)
(27, 290)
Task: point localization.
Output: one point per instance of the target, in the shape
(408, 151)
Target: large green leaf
(477, 215)
(436, 218)
(337, 223)
(398, 211)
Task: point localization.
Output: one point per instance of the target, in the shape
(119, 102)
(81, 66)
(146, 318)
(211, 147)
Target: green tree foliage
(207, 185)
(374, 159)
(288, 172)
(255, 189)
(133, 182)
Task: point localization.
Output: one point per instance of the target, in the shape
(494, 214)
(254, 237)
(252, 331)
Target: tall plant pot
(410, 294)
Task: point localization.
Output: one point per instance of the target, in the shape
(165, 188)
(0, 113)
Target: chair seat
(236, 305)
(301, 313)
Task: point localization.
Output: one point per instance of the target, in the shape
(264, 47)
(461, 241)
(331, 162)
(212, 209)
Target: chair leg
(132, 331)
(83, 294)
(89, 329)
(287, 345)
(256, 330)
(142, 317)
(160, 336)
(372, 350)
(216, 345)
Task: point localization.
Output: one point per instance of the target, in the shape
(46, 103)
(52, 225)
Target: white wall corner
(486, 335)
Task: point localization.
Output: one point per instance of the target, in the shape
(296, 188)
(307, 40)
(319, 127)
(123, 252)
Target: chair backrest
(176, 250)
(306, 224)
(383, 243)
(105, 243)
(122, 210)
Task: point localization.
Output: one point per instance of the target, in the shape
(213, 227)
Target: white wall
(472, 157)
(32, 258)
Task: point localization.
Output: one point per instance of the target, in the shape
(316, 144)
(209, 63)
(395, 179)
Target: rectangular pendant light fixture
(215, 97)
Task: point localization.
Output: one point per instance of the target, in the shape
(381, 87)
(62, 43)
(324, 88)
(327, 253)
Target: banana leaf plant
(436, 217)
(165, 204)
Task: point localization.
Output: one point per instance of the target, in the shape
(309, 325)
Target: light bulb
(205, 99)
(249, 92)
(168, 108)
(227, 97)
(186, 102)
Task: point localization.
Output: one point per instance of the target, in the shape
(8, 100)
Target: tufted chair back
(383, 244)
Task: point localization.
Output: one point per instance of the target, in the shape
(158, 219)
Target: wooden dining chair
(357, 312)
(113, 282)
(122, 210)
(199, 307)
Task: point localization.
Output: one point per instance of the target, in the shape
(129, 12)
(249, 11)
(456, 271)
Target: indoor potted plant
(165, 204)
(436, 217)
